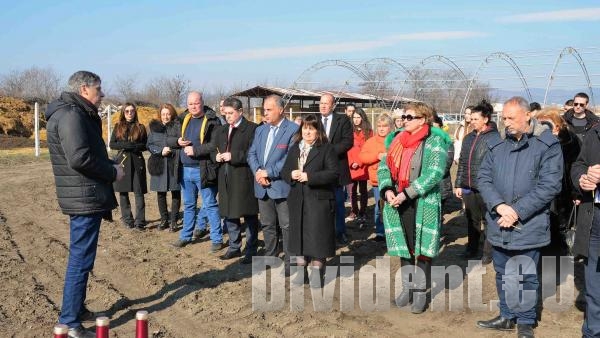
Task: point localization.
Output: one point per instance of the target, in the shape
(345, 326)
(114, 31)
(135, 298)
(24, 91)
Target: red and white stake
(141, 324)
(102, 327)
(61, 331)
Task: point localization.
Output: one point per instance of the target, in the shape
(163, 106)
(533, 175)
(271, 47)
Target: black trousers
(140, 209)
(475, 210)
(161, 198)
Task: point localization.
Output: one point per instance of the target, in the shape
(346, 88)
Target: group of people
(299, 176)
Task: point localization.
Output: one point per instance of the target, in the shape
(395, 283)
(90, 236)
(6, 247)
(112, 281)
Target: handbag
(570, 229)
(155, 164)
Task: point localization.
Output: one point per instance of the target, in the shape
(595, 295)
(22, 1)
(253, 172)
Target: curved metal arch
(324, 64)
(502, 56)
(446, 61)
(577, 56)
(388, 61)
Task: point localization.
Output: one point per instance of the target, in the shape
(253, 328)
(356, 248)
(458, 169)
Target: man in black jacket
(339, 132)
(579, 117)
(199, 173)
(83, 174)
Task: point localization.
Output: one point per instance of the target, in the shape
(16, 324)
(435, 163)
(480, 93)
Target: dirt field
(189, 292)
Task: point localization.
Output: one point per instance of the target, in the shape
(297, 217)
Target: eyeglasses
(410, 117)
(578, 104)
(130, 110)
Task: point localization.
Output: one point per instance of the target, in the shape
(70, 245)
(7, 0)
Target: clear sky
(239, 43)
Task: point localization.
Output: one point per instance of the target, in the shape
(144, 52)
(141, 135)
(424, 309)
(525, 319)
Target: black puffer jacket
(208, 169)
(472, 151)
(83, 172)
(591, 121)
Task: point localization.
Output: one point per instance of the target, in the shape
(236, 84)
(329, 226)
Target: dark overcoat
(165, 135)
(588, 156)
(312, 203)
(235, 179)
(134, 164)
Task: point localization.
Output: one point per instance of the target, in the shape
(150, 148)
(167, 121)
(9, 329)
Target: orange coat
(360, 173)
(369, 156)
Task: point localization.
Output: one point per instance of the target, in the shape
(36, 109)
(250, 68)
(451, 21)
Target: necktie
(270, 139)
(325, 119)
(231, 130)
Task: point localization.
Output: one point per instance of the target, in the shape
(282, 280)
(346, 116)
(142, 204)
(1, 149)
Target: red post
(141, 324)
(61, 331)
(102, 327)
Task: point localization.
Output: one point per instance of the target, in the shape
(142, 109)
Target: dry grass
(15, 156)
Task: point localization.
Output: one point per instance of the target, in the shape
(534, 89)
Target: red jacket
(360, 173)
(369, 156)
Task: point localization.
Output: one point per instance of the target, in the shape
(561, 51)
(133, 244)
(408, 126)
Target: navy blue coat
(525, 175)
(277, 155)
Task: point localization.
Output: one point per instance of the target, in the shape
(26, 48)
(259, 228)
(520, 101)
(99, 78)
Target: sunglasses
(577, 104)
(410, 117)
(130, 110)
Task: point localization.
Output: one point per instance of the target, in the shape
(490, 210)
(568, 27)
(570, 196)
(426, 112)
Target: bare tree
(34, 83)
(125, 86)
(175, 88)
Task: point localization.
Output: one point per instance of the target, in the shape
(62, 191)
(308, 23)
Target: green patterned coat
(428, 205)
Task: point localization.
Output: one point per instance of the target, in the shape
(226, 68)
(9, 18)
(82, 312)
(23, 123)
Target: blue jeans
(190, 186)
(234, 228)
(379, 229)
(340, 211)
(84, 230)
(517, 306)
(591, 323)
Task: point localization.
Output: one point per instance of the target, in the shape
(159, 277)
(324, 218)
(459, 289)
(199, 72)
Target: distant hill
(555, 96)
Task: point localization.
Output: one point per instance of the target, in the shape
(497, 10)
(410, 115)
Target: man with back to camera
(83, 174)
(579, 117)
(339, 133)
(266, 157)
(518, 178)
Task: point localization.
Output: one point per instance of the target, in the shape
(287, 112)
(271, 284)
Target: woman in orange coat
(372, 152)
(358, 171)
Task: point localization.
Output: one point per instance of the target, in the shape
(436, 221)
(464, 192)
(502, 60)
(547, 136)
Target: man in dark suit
(266, 158)
(339, 132)
(236, 186)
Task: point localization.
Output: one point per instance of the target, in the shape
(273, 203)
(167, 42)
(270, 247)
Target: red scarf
(400, 154)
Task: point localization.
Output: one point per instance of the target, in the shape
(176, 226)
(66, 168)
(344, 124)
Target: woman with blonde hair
(409, 181)
(562, 205)
(163, 164)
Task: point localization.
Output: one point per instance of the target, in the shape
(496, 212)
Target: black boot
(497, 323)
(405, 297)
(420, 296)
(164, 224)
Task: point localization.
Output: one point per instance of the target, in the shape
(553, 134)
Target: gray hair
(519, 101)
(279, 101)
(82, 78)
(385, 118)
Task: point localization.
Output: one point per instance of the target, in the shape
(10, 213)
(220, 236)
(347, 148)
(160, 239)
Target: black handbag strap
(573, 217)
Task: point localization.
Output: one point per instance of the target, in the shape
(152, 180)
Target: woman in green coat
(409, 181)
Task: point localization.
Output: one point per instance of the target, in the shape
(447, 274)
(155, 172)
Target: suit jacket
(342, 139)
(277, 155)
(235, 178)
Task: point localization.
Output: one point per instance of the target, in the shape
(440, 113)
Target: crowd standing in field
(291, 180)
